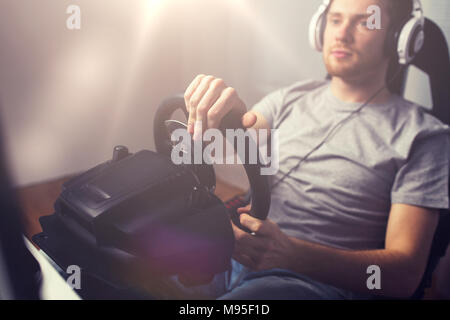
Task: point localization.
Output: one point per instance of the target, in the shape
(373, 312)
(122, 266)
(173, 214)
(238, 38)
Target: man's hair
(399, 11)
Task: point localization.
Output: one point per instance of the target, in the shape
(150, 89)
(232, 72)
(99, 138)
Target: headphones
(404, 41)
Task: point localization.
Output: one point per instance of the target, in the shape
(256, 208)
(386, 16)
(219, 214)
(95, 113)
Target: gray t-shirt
(342, 194)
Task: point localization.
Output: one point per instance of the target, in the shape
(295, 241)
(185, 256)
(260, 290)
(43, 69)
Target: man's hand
(208, 100)
(268, 248)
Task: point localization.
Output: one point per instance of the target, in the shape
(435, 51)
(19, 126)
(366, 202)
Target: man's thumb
(249, 119)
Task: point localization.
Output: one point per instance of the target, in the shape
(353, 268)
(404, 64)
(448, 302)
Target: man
(369, 196)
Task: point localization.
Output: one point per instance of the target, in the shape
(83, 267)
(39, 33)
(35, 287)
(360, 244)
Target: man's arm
(402, 262)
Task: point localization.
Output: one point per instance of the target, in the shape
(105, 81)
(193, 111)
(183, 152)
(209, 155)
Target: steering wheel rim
(259, 184)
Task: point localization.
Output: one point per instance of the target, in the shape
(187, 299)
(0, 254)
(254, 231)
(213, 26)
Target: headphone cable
(337, 126)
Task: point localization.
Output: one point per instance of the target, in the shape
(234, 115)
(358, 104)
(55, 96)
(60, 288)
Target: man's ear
(390, 43)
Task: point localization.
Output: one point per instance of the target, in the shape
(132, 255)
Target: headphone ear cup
(392, 38)
(410, 40)
(314, 33)
(417, 41)
(317, 27)
(391, 46)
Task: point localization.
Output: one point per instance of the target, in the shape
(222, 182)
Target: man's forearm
(348, 269)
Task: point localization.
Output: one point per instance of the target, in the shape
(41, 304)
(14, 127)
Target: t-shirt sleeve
(424, 179)
(269, 106)
(272, 105)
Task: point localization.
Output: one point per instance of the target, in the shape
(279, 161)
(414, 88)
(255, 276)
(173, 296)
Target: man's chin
(342, 72)
(347, 67)
(342, 69)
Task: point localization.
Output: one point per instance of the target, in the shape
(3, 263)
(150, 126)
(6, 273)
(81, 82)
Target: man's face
(352, 50)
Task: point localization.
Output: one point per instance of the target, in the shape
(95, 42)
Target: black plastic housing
(140, 215)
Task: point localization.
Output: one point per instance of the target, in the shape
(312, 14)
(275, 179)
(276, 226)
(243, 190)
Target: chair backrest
(434, 61)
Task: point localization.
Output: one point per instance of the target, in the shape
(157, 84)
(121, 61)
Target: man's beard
(345, 68)
(351, 68)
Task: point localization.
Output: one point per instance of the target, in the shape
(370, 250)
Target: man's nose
(344, 32)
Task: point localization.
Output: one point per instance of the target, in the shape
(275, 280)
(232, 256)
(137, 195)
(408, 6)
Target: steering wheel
(163, 126)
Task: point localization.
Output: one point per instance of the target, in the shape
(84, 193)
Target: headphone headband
(418, 10)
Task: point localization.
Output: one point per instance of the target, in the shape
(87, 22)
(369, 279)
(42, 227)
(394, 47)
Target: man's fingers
(245, 209)
(240, 234)
(198, 129)
(191, 89)
(199, 88)
(249, 247)
(187, 100)
(251, 244)
(255, 225)
(197, 111)
(195, 100)
(191, 123)
(220, 108)
(208, 100)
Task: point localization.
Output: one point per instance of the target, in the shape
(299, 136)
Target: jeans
(240, 283)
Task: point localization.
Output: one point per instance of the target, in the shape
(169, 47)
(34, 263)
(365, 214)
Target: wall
(70, 96)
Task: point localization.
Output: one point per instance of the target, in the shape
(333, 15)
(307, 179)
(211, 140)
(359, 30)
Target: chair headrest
(434, 60)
